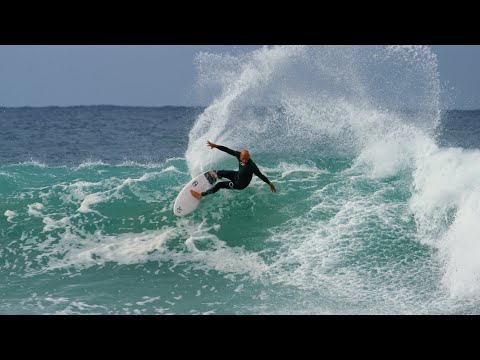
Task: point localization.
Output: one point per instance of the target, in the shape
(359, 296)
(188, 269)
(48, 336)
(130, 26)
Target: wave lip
(295, 100)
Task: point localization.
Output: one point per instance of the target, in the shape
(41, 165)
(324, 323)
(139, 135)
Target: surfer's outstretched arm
(224, 149)
(229, 151)
(264, 178)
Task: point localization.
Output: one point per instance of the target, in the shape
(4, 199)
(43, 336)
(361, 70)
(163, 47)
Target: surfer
(240, 179)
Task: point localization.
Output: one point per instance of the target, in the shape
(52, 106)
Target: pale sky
(161, 75)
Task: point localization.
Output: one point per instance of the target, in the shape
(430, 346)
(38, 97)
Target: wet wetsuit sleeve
(229, 151)
(260, 175)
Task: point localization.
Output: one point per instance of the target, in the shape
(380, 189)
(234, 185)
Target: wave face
(378, 194)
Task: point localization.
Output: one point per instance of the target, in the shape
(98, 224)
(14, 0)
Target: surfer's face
(244, 156)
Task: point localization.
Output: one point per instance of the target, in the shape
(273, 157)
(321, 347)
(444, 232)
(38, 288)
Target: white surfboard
(185, 202)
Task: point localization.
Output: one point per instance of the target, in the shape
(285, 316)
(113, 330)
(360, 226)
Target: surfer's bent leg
(218, 186)
(229, 174)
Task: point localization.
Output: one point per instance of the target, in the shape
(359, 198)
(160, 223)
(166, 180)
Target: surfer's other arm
(224, 149)
(264, 178)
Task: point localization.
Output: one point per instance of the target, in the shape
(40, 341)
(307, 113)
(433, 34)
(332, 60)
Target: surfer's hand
(212, 145)
(272, 188)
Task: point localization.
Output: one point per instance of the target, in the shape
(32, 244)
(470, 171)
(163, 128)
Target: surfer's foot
(213, 174)
(196, 195)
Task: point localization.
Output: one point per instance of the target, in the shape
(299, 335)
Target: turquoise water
(376, 209)
(103, 239)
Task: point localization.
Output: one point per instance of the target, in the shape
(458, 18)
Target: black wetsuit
(240, 179)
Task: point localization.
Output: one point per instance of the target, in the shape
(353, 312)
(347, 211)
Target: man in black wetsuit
(240, 179)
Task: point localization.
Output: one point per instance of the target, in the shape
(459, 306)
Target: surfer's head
(244, 156)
